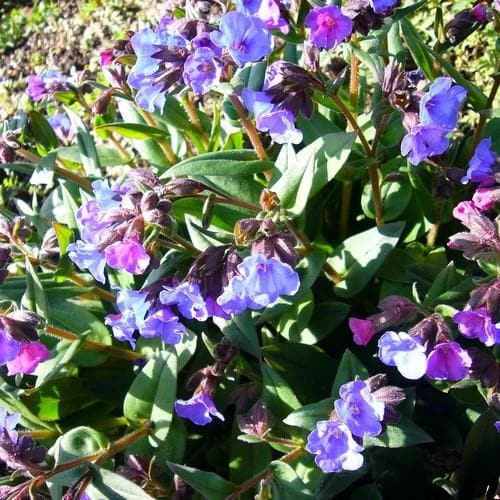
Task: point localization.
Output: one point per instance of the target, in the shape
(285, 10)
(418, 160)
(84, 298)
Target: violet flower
(188, 299)
(88, 256)
(46, 83)
(481, 165)
(199, 409)
(423, 141)
(127, 254)
(359, 410)
(448, 361)
(267, 10)
(245, 37)
(202, 70)
(478, 324)
(440, 105)
(163, 323)
(62, 126)
(334, 447)
(30, 355)
(329, 27)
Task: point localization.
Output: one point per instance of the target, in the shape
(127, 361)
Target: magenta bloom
(486, 198)
(328, 26)
(127, 254)
(28, 358)
(334, 447)
(448, 361)
(362, 329)
(478, 324)
(199, 409)
(464, 210)
(359, 410)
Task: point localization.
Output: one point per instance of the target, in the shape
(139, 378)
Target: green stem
(163, 143)
(195, 119)
(377, 199)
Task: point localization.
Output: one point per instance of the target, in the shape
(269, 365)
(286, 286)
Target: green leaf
(286, 484)
(44, 171)
(174, 114)
(358, 258)
(108, 156)
(333, 484)
(444, 282)
(401, 434)
(307, 416)
(421, 56)
(240, 330)
(86, 144)
(35, 298)
(350, 367)
(44, 135)
(76, 443)
(134, 130)
(107, 484)
(208, 484)
(291, 325)
(276, 393)
(480, 458)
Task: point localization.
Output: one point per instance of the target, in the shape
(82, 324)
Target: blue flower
(424, 141)
(106, 196)
(163, 323)
(281, 127)
(478, 324)
(88, 256)
(188, 299)
(259, 283)
(62, 126)
(334, 447)
(448, 361)
(383, 6)
(8, 423)
(246, 38)
(440, 105)
(9, 347)
(146, 44)
(329, 27)
(199, 409)
(150, 94)
(404, 352)
(359, 410)
(202, 70)
(481, 165)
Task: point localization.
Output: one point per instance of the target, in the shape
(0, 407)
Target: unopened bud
(269, 200)
(100, 106)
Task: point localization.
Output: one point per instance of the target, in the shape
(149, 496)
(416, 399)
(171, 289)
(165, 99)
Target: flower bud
(280, 246)
(269, 200)
(184, 187)
(432, 330)
(245, 230)
(484, 367)
(100, 106)
(49, 250)
(258, 422)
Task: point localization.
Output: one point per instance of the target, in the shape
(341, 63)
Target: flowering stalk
(195, 120)
(163, 143)
(118, 352)
(249, 127)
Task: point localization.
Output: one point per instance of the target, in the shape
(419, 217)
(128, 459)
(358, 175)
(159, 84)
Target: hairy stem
(249, 127)
(195, 119)
(377, 199)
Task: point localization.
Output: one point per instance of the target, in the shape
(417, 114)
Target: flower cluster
(113, 226)
(358, 414)
(20, 349)
(438, 116)
(46, 84)
(192, 52)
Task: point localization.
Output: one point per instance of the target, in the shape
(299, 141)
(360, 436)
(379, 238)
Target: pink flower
(28, 358)
(362, 329)
(328, 26)
(485, 198)
(127, 254)
(463, 211)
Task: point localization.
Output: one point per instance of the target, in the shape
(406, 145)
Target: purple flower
(267, 10)
(281, 127)
(478, 324)
(328, 26)
(146, 44)
(440, 105)
(63, 127)
(334, 447)
(202, 70)
(258, 103)
(9, 347)
(359, 410)
(383, 6)
(424, 141)
(150, 95)
(88, 256)
(188, 299)
(88, 218)
(362, 329)
(199, 409)
(165, 324)
(481, 165)
(259, 284)
(448, 361)
(127, 254)
(48, 82)
(30, 355)
(246, 38)
(106, 196)
(404, 352)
